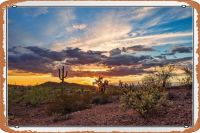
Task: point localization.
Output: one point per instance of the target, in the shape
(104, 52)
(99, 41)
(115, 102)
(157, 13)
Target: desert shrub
(125, 87)
(102, 84)
(68, 103)
(187, 79)
(113, 91)
(145, 97)
(36, 96)
(152, 80)
(144, 100)
(162, 76)
(100, 99)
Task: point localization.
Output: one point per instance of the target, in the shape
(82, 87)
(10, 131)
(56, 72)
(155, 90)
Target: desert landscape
(100, 66)
(151, 102)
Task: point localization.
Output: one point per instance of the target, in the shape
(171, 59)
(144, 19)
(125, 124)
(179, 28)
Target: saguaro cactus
(62, 75)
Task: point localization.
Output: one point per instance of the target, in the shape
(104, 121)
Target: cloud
(116, 71)
(79, 26)
(46, 53)
(114, 52)
(41, 60)
(161, 62)
(140, 48)
(19, 50)
(182, 49)
(33, 59)
(124, 60)
(30, 63)
(109, 28)
(124, 28)
(152, 40)
(76, 27)
(81, 57)
(40, 11)
(63, 18)
(179, 49)
(35, 12)
(163, 16)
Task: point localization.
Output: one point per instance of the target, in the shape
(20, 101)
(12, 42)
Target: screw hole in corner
(14, 6)
(186, 126)
(183, 6)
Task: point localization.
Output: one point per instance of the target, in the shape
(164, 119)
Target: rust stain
(3, 122)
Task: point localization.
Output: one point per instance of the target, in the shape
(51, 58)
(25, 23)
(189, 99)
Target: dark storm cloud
(179, 49)
(81, 57)
(29, 62)
(140, 48)
(182, 49)
(155, 62)
(40, 60)
(161, 57)
(117, 71)
(33, 59)
(53, 55)
(114, 52)
(124, 60)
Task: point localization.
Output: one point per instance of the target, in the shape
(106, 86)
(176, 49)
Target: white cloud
(117, 29)
(19, 50)
(173, 14)
(62, 18)
(75, 27)
(109, 27)
(65, 15)
(79, 26)
(37, 12)
(153, 40)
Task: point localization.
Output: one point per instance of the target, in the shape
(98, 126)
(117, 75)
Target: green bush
(100, 99)
(35, 96)
(186, 78)
(144, 100)
(162, 76)
(147, 96)
(113, 91)
(68, 103)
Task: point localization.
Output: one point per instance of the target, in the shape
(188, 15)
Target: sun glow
(17, 77)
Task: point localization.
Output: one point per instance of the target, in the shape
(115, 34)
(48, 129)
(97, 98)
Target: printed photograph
(100, 66)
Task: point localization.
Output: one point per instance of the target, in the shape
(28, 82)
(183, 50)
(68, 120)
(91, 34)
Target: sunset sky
(118, 43)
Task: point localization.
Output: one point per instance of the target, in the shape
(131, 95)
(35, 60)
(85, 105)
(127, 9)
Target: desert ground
(24, 112)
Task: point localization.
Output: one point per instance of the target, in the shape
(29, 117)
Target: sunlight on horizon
(35, 79)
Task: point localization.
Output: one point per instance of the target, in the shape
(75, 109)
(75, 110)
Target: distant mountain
(57, 85)
(66, 84)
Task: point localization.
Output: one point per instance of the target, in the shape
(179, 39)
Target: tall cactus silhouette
(62, 75)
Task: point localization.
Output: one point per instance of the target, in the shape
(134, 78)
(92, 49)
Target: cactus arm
(66, 74)
(63, 69)
(59, 74)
